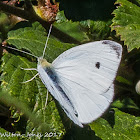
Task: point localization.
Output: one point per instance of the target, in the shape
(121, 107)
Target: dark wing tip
(115, 46)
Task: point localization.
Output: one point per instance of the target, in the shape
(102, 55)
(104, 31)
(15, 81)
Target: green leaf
(124, 80)
(126, 127)
(126, 103)
(5, 135)
(126, 23)
(138, 2)
(33, 37)
(4, 24)
(84, 31)
(3, 18)
(61, 17)
(13, 75)
(0, 37)
(97, 30)
(32, 93)
(73, 29)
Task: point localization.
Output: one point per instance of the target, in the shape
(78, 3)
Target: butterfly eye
(97, 65)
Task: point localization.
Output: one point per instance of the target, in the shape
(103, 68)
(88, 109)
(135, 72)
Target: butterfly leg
(31, 78)
(46, 100)
(28, 68)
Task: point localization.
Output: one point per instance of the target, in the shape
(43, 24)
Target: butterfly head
(43, 62)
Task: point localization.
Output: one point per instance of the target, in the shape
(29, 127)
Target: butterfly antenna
(47, 41)
(21, 51)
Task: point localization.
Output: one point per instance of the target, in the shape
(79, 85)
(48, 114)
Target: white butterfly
(81, 79)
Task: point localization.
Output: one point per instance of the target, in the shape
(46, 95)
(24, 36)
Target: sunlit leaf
(5, 135)
(125, 126)
(126, 23)
(33, 37)
(32, 93)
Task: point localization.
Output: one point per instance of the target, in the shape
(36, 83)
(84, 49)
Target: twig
(34, 17)
(28, 4)
(14, 10)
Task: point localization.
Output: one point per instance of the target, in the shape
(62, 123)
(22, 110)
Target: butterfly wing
(86, 74)
(49, 80)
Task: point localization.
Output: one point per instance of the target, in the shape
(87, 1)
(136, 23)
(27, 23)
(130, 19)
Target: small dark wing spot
(97, 65)
(114, 45)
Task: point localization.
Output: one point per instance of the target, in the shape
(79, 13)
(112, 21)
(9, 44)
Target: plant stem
(32, 16)
(28, 4)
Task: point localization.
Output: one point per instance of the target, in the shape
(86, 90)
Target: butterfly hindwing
(53, 87)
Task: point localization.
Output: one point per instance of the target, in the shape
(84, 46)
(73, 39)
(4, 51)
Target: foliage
(85, 21)
(126, 127)
(5, 135)
(126, 23)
